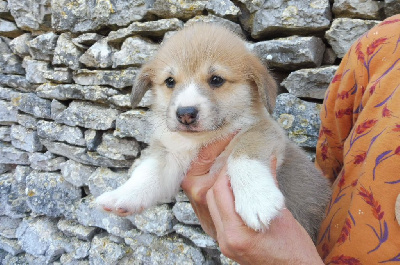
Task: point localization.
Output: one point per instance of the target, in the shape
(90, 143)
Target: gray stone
(114, 78)
(88, 115)
(46, 161)
(66, 52)
(89, 214)
(309, 83)
(8, 112)
(178, 9)
(9, 62)
(184, 212)
(15, 81)
(58, 75)
(266, 18)
(4, 168)
(104, 179)
(299, 118)
(344, 31)
(74, 91)
(123, 101)
(32, 104)
(40, 237)
(158, 220)
(19, 45)
(12, 192)
(27, 121)
(392, 7)
(117, 148)
(135, 51)
(9, 29)
(50, 194)
(31, 15)
(86, 39)
(62, 133)
(9, 226)
(234, 27)
(92, 15)
(73, 229)
(224, 8)
(99, 55)
(56, 108)
(4, 10)
(42, 47)
(92, 139)
(329, 56)
(149, 29)
(196, 235)
(134, 123)
(227, 261)
(181, 197)
(15, 260)
(25, 139)
(364, 9)
(36, 70)
(11, 155)
(105, 251)
(10, 245)
(76, 173)
(8, 93)
(81, 155)
(5, 133)
(290, 53)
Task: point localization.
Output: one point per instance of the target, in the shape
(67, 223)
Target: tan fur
(240, 105)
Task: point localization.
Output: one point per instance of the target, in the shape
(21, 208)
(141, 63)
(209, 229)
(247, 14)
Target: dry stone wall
(67, 132)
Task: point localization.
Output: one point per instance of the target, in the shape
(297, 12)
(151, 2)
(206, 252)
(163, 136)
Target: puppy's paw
(117, 202)
(257, 210)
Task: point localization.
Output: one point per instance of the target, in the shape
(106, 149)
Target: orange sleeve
(359, 151)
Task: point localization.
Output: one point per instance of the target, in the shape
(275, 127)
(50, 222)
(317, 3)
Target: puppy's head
(203, 78)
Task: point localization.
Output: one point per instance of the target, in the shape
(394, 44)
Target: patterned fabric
(359, 151)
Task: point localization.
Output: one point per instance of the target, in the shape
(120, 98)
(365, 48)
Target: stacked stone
(67, 133)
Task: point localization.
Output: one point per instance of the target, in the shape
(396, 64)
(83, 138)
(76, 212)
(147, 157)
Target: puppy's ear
(266, 85)
(141, 85)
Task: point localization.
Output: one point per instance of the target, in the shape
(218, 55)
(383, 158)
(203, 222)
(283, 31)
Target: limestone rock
(27, 121)
(9, 29)
(8, 112)
(178, 9)
(16, 81)
(104, 179)
(299, 118)
(344, 31)
(56, 107)
(31, 15)
(364, 9)
(85, 16)
(234, 27)
(19, 45)
(92, 139)
(88, 115)
(149, 28)
(46, 161)
(115, 78)
(266, 18)
(135, 51)
(66, 53)
(58, 75)
(50, 194)
(392, 7)
(11, 155)
(76, 173)
(5, 133)
(225, 9)
(42, 47)
(36, 70)
(290, 53)
(10, 245)
(184, 212)
(32, 104)
(309, 83)
(73, 229)
(9, 226)
(9, 62)
(57, 132)
(86, 39)
(134, 123)
(25, 139)
(4, 10)
(196, 235)
(98, 55)
(105, 251)
(117, 148)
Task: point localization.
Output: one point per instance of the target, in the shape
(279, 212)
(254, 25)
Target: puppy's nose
(187, 115)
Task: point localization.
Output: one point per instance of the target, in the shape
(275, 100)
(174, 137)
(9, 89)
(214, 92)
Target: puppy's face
(204, 78)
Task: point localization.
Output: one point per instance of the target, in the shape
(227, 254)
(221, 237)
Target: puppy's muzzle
(187, 115)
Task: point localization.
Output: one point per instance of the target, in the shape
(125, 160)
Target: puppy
(207, 86)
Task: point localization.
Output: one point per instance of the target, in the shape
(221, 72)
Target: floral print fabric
(359, 151)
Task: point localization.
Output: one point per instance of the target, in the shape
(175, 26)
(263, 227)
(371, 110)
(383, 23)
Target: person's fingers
(215, 216)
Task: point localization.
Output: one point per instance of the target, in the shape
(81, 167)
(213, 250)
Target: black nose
(187, 115)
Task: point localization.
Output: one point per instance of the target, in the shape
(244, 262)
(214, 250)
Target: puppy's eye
(170, 82)
(216, 81)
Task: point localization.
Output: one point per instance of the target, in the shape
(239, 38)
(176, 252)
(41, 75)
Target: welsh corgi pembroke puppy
(207, 85)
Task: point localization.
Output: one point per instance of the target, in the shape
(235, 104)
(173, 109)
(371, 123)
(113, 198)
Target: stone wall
(67, 132)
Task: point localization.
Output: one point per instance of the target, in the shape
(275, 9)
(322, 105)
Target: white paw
(258, 200)
(119, 202)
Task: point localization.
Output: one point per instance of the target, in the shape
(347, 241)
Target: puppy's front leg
(257, 198)
(144, 189)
